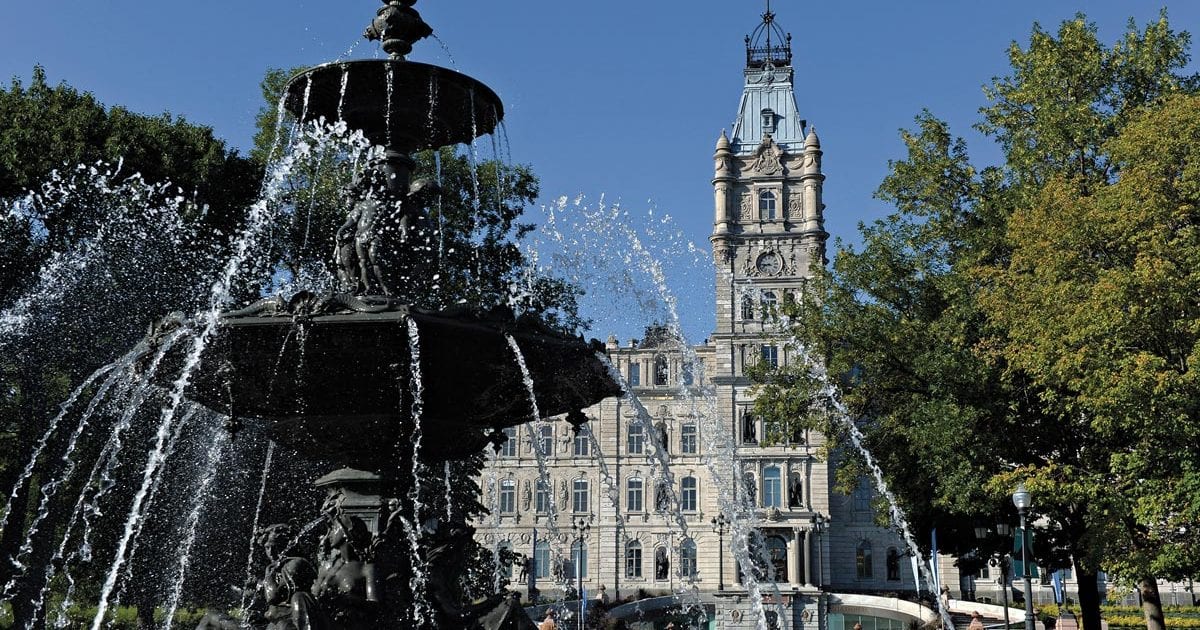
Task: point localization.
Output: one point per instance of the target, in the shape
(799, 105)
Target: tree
(910, 323)
(1098, 304)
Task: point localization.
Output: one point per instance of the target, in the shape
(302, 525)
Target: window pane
(546, 441)
(687, 558)
(635, 374)
(633, 560)
(508, 496)
(579, 558)
(688, 494)
(661, 371)
(770, 356)
(633, 495)
(687, 439)
(583, 443)
(635, 439)
(543, 498)
(579, 499)
(541, 560)
(509, 448)
(771, 488)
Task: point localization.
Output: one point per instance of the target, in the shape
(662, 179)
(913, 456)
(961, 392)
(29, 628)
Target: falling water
(217, 448)
(41, 445)
(446, 49)
(342, 92)
(449, 498)
(262, 493)
(418, 580)
(107, 464)
(51, 488)
(391, 91)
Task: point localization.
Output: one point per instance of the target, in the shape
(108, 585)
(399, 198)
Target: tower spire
(768, 44)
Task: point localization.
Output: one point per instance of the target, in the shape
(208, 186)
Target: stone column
(794, 552)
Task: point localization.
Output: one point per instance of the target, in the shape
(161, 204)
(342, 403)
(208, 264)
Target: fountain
(375, 382)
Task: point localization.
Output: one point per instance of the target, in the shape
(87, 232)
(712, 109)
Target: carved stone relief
(795, 207)
(768, 158)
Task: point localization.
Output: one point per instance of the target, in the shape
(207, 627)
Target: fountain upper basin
(426, 106)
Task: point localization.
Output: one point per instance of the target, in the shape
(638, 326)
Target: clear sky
(621, 99)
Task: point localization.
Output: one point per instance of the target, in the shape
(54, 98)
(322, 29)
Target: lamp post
(819, 523)
(1000, 561)
(580, 525)
(1022, 501)
(719, 526)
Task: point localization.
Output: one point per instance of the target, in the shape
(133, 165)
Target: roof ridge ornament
(768, 46)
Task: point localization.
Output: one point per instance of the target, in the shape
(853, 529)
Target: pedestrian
(548, 622)
(976, 621)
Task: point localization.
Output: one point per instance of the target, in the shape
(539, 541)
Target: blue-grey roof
(768, 88)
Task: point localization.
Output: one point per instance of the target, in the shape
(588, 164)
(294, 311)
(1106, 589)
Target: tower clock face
(769, 263)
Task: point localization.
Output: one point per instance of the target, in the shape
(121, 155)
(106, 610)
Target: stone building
(692, 407)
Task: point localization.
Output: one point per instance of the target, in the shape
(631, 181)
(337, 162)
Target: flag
(936, 586)
(1018, 566)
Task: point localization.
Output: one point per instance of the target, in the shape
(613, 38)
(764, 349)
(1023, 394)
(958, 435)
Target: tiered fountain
(387, 389)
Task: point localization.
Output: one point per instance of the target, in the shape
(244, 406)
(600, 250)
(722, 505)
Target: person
(548, 622)
(976, 621)
(603, 596)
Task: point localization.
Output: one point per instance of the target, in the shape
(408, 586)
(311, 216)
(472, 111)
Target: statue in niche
(662, 564)
(795, 491)
(526, 495)
(767, 157)
(661, 428)
(563, 496)
(282, 599)
(662, 499)
(749, 428)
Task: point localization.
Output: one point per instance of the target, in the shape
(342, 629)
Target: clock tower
(768, 236)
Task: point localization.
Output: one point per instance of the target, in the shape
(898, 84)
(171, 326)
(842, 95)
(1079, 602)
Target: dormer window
(768, 121)
(766, 205)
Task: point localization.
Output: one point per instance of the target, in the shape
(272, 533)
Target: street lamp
(1022, 501)
(719, 526)
(819, 523)
(580, 525)
(1000, 560)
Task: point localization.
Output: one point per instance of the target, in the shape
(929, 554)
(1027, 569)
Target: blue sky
(620, 99)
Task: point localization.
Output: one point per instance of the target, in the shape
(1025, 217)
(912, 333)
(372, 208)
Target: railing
(759, 56)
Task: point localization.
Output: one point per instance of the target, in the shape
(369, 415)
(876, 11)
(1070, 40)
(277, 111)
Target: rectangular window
(583, 443)
(770, 356)
(688, 444)
(546, 441)
(509, 448)
(772, 488)
(579, 496)
(633, 561)
(508, 497)
(635, 440)
(688, 499)
(634, 495)
(541, 560)
(542, 500)
(635, 375)
(579, 561)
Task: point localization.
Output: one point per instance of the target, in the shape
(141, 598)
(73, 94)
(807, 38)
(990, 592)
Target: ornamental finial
(398, 26)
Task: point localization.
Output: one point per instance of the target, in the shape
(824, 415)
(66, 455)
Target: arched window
(579, 560)
(661, 371)
(766, 205)
(795, 490)
(747, 308)
(543, 497)
(508, 496)
(545, 443)
(772, 495)
(893, 564)
(634, 494)
(750, 488)
(777, 553)
(579, 496)
(509, 447)
(689, 499)
(541, 559)
(687, 559)
(635, 439)
(862, 560)
(633, 559)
